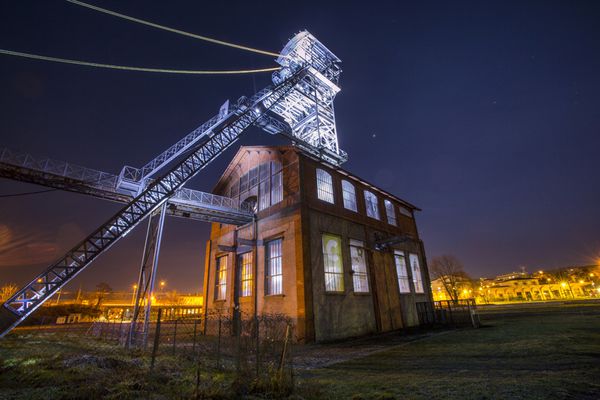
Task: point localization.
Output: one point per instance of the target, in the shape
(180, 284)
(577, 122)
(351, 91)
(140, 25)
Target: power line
(142, 69)
(27, 193)
(166, 28)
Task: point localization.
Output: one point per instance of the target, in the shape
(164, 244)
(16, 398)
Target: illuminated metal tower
(299, 105)
(308, 108)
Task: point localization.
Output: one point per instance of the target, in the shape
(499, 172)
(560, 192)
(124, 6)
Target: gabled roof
(239, 156)
(243, 150)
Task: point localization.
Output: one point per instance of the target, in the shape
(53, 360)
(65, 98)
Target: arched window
(250, 204)
(371, 203)
(349, 195)
(389, 212)
(324, 186)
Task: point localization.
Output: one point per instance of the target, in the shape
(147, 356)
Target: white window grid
(402, 272)
(324, 186)
(221, 289)
(246, 274)
(416, 273)
(349, 196)
(389, 212)
(274, 275)
(360, 278)
(332, 262)
(371, 203)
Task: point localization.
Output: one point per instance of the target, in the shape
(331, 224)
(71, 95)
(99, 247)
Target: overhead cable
(27, 193)
(166, 28)
(142, 69)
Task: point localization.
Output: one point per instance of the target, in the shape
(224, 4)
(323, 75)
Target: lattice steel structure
(301, 107)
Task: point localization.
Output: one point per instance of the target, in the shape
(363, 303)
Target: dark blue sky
(484, 114)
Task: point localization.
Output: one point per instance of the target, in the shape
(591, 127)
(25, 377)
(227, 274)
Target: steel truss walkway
(299, 106)
(65, 176)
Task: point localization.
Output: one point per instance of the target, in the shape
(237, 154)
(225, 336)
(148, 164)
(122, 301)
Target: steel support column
(138, 330)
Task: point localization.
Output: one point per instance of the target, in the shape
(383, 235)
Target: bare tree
(6, 291)
(450, 271)
(102, 289)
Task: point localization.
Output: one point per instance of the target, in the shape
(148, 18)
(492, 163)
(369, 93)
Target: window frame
(221, 278)
(417, 274)
(333, 271)
(325, 186)
(359, 276)
(349, 203)
(269, 275)
(375, 209)
(276, 183)
(403, 279)
(246, 269)
(390, 212)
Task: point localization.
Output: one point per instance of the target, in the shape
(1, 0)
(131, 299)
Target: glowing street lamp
(133, 294)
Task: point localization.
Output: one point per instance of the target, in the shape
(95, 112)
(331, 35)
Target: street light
(133, 295)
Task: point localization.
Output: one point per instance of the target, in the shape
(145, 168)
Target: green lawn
(553, 355)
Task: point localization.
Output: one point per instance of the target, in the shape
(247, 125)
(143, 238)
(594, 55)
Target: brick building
(334, 253)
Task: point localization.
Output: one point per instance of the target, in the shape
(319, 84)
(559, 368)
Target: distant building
(337, 255)
(562, 284)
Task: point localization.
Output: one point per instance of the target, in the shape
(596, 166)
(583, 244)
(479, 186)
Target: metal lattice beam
(29, 298)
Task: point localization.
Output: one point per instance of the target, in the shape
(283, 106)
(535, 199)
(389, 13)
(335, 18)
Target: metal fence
(255, 346)
(448, 312)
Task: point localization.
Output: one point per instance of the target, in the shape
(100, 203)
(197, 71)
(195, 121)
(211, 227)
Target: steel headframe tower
(308, 109)
(299, 105)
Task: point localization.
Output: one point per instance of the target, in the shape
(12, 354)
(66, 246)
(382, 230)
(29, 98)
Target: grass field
(551, 354)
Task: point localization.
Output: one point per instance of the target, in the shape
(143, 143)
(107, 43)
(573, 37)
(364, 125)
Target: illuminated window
(416, 273)
(221, 287)
(349, 195)
(371, 203)
(332, 262)
(389, 211)
(359, 266)
(276, 182)
(324, 186)
(274, 273)
(246, 274)
(402, 272)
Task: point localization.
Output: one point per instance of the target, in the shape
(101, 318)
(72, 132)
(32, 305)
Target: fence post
(219, 345)
(257, 353)
(175, 337)
(195, 333)
(156, 338)
(291, 361)
(238, 343)
(285, 343)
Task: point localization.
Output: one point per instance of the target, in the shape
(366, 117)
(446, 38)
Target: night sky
(484, 114)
